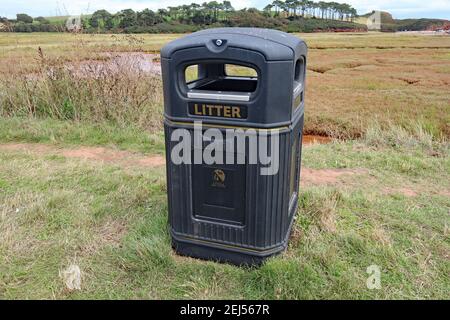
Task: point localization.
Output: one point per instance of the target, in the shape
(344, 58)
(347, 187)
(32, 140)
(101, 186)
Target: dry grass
(322, 210)
(416, 137)
(381, 236)
(353, 79)
(348, 89)
(117, 94)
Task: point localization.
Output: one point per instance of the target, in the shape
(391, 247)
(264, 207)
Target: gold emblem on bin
(218, 178)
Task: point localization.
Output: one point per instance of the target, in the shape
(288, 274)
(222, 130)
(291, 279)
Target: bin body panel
(231, 212)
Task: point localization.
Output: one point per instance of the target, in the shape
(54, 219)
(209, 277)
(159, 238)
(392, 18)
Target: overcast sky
(399, 8)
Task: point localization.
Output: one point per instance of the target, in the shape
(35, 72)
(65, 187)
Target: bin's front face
(242, 99)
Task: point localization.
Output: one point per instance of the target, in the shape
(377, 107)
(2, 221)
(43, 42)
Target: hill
(389, 24)
(281, 15)
(315, 17)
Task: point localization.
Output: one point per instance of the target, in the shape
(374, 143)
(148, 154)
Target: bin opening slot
(299, 72)
(229, 84)
(234, 70)
(220, 78)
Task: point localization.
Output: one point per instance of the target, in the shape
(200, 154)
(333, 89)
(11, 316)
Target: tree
(277, 4)
(189, 16)
(291, 5)
(22, 27)
(148, 18)
(197, 14)
(303, 6)
(173, 12)
(314, 7)
(248, 18)
(163, 13)
(227, 6)
(42, 20)
(353, 14)
(127, 18)
(323, 6)
(285, 7)
(23, 17)
(214, 7)
(101, 19)
(334, 9)
(268, 10)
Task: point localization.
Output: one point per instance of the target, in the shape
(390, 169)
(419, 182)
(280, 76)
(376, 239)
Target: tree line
(26, 23)
(214, 12)
(290, 15)
(321, 9)
(192, 14)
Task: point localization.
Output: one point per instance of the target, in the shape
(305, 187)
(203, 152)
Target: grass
(86, 92)
(112, 222)
(388, 92)
(350, 89)
(74, 133)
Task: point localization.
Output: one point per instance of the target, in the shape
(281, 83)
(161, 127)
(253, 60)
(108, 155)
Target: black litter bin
(233, 78)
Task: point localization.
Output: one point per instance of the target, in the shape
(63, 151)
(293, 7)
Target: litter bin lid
(273, 44)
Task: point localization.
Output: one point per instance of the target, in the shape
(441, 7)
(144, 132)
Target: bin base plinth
(211, 252)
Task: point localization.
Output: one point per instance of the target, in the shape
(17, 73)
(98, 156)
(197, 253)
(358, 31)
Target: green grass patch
(68, 133)
(112, 222)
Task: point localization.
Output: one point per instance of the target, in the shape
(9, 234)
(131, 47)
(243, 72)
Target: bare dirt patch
(444, 193)
(100, 154)
(108, 155)
(32, 147)
(108, 64)
(326, 176)
(407, 192)
(130, 159)
(112, 63)
(314, 139)
(414, 191)
(114, 156)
